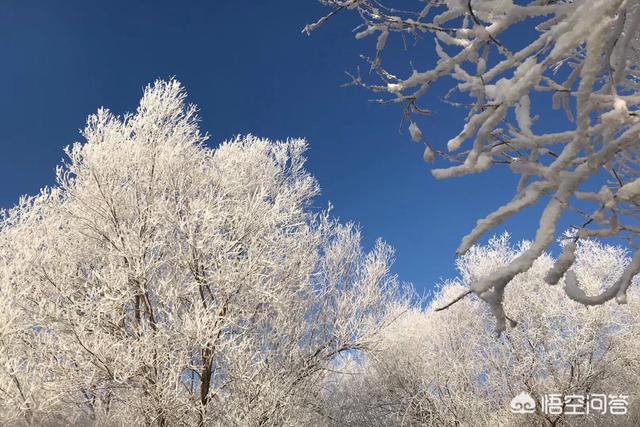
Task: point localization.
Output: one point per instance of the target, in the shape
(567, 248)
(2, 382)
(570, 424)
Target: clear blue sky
(250, 70)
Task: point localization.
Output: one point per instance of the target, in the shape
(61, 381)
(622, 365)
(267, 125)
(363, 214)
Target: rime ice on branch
(580, 56)
(162, 282)
(448, 369)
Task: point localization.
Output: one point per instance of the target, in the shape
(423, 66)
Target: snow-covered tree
(506, 64)
(447, 367)
(162, 282)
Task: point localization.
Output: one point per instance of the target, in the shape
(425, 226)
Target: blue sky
(250, 70)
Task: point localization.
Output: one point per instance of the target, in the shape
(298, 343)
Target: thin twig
(458, 298)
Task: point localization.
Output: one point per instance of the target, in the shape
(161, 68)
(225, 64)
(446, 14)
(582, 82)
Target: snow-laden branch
(580, 56)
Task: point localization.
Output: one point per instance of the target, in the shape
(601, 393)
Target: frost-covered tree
(162, 282)
(506, 64)
(448, 368)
